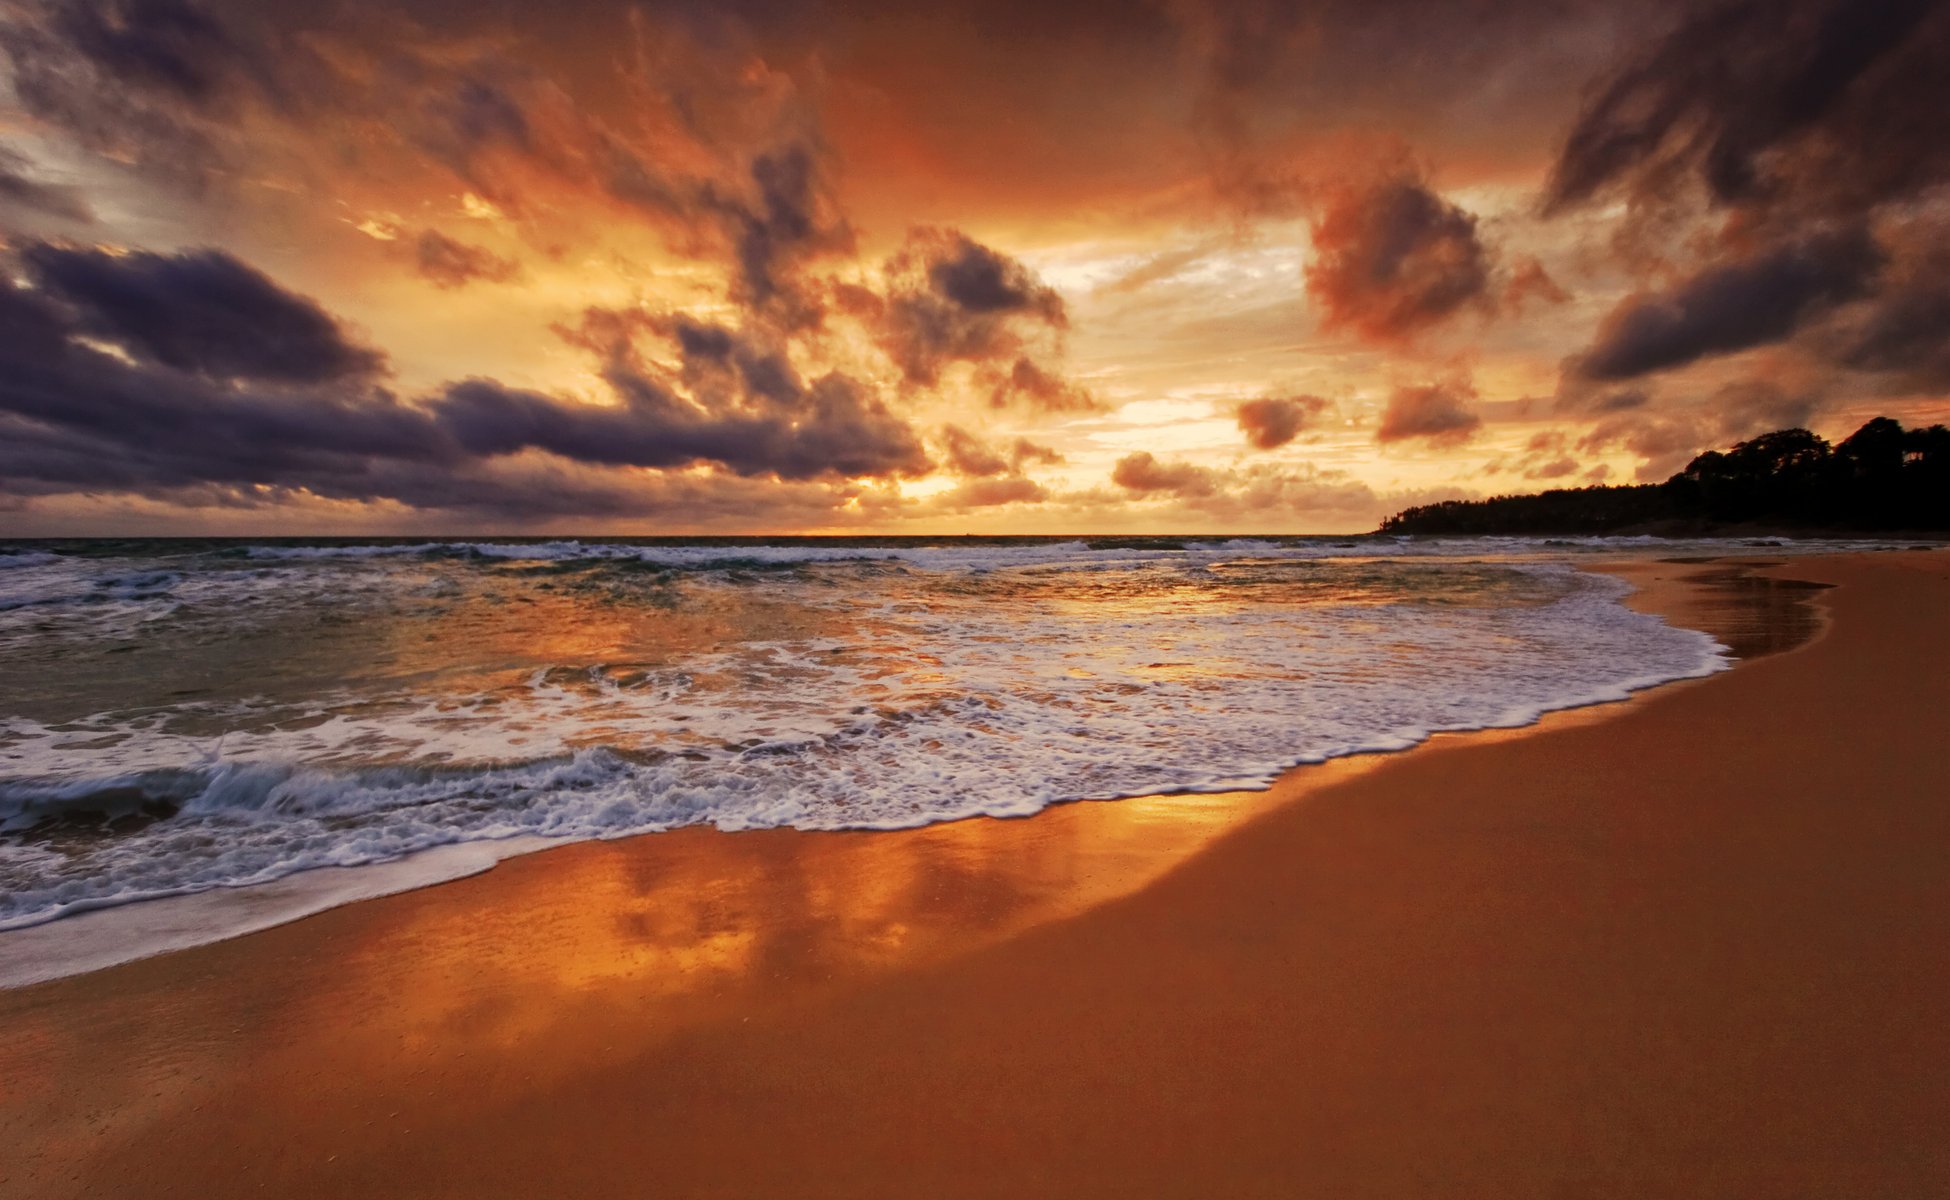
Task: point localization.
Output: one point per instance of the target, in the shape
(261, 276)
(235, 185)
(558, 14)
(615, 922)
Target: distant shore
(1687, 945)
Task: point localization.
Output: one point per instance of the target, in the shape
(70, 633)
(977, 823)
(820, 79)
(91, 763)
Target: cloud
(1904, 331)
(1042, 390)
(1438, 412)
(1298, 489)
(718, 365)
(1818, 106)
(19, 190)
(967, 454)
(990, 477)
(832, 427)
(992, 493)
(1666, 442)
(1795, 148)
(1278, 83)
(1272, 421)
(468, 119)
(1543, 457)
(1165, 264)
(1141, 472)
(195, 375)
(155, 83)
(1393, 259)
(165, 45)
(203, 312)
(788, 217)
(1023, 452)
(90, 420)
(951, 299)
(451, 264)
(1530, 281)
(721, 153)
(1749, 407)
(1733, 306)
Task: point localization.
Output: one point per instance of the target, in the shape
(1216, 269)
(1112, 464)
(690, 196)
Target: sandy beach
(1688, 945)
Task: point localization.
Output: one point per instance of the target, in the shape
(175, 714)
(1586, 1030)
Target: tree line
(1881, 477)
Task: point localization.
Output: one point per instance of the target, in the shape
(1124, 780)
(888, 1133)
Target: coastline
(94, 932)
(1464, 964)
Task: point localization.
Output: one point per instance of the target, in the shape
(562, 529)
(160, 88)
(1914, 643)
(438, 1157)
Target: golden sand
(1691, 945)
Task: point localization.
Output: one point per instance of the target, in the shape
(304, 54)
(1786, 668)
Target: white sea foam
(928, 711)
(327, 716)
(994, 556)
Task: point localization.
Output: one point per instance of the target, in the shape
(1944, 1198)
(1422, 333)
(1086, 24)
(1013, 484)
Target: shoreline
(113, 934)
(1097, 1027)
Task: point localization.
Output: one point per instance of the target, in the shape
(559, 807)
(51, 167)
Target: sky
(802, 266)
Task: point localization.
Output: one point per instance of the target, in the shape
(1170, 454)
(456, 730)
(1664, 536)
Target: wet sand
(1691, 945)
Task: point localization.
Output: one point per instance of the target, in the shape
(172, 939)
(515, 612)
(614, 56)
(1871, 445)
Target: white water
(947, 683)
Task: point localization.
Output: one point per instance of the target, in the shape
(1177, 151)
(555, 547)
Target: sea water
(181, 716)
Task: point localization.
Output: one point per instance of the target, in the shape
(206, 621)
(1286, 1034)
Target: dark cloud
(951, 299)
(1393, 259)
(834, 428)
(1620, 400)
(1438, 412)
(19, 190)
(202, 312)
(155, 83)
(976, 279)
(1814, 106)
(470, 118)
(1750, 407)
(747, 408)
(1905, 330)
(1485, 79)
(208, 397)
(787, 217)
(725, 157)
(95, 421)
(1733, 306)
(1907, 335)
(1777, 136)
(719, 366)
(452, 264)
(165, 45)
(1272, 421)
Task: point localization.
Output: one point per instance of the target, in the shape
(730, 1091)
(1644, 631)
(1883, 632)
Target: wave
(924, 712)
(11, 559)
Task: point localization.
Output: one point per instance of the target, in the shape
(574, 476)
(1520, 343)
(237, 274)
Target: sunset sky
(1026, 267)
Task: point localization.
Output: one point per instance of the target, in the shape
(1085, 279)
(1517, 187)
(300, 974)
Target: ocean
(182, 716)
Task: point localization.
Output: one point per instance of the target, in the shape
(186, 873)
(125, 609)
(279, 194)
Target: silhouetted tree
(1881, 477)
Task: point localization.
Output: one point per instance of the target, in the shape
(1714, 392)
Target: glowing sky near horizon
(790, 266)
